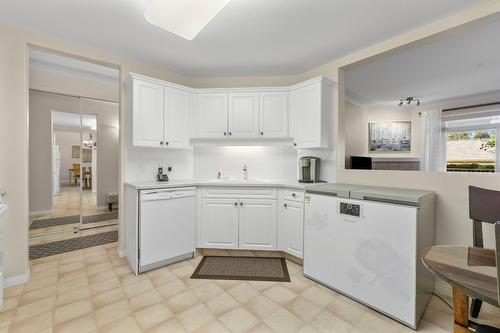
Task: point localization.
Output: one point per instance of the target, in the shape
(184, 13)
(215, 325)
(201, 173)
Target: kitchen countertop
(145, 185)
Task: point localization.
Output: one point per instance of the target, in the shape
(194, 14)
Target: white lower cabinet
(291, 228)
(257, 224)
(219, 223)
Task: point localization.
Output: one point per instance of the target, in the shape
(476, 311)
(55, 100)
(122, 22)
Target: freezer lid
(333, 189)
(393, 195)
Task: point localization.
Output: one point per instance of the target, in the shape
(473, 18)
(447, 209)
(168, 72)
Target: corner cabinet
(160, 114)
(311, 113)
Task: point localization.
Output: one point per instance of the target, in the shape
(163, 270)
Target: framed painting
(389, 136)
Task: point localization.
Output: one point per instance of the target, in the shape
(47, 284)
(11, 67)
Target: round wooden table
(470, 271)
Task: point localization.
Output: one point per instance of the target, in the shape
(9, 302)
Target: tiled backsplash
(264, 162)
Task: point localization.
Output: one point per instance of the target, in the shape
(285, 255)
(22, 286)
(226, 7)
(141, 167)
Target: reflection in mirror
(433, 105)
(99, 162)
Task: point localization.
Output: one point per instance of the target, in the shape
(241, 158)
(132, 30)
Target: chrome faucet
(245, 172)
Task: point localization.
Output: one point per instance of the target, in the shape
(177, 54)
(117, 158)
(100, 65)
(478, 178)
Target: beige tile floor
(93, 290)
(67, 204)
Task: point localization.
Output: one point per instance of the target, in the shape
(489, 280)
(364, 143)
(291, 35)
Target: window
(468, 151)
(471, 142)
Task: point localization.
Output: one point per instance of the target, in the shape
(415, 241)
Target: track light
(409, 101)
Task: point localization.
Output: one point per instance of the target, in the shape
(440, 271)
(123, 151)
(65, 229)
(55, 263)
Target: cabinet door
(219, 223)
(243, 115)
(257, 224)
(305, 116)
(273, 115)
(291, 228)
(147, 110)
(212, 115)
(176, 118)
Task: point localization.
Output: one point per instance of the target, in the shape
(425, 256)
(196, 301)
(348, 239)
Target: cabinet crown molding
(321, 78)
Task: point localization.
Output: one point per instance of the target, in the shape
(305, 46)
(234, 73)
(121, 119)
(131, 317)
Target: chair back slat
(497, 255)
(484, 205)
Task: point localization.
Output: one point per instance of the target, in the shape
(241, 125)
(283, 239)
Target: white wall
(65, 140)
(264, 162)
(142, 163)
(356, 128)
(72, 85)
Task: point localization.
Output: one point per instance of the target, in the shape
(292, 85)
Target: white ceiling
(57, 64)
(249, 37)
(461, 62)
(71, 121)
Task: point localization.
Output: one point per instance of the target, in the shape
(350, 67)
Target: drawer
(294, 195)
(240, 192)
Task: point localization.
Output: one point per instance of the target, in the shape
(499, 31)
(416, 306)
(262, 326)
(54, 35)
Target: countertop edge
(201, 183)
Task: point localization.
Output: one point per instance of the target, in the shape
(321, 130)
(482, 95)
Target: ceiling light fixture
(185, 18)
(409, 101)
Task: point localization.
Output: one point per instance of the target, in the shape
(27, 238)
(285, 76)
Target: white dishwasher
(167, 226)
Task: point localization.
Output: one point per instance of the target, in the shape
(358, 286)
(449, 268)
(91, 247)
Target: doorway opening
(73, 154)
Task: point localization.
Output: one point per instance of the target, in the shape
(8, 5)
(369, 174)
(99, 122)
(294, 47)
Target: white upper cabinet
(169, 115)
(273, 114)
(176, 118)
(243, 119)
(160, 114)
(311, 112)
(147, 123)
(212, 115)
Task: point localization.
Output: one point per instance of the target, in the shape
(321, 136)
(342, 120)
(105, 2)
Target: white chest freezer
(365, 242)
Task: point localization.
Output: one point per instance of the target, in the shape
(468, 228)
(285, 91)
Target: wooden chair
(484, 328)
(76, 173)
(484, 206)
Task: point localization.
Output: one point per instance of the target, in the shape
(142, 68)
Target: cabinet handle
(285, 205)
(261, 133)
(166, 143)
(225, 134)
(230, 133)
(161, 143)
(241, 203)
(294, 195)
(235, 204)
(294, 144)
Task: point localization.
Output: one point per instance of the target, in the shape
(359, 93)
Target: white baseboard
(121, 253)
(41, 212)
(16, 279)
